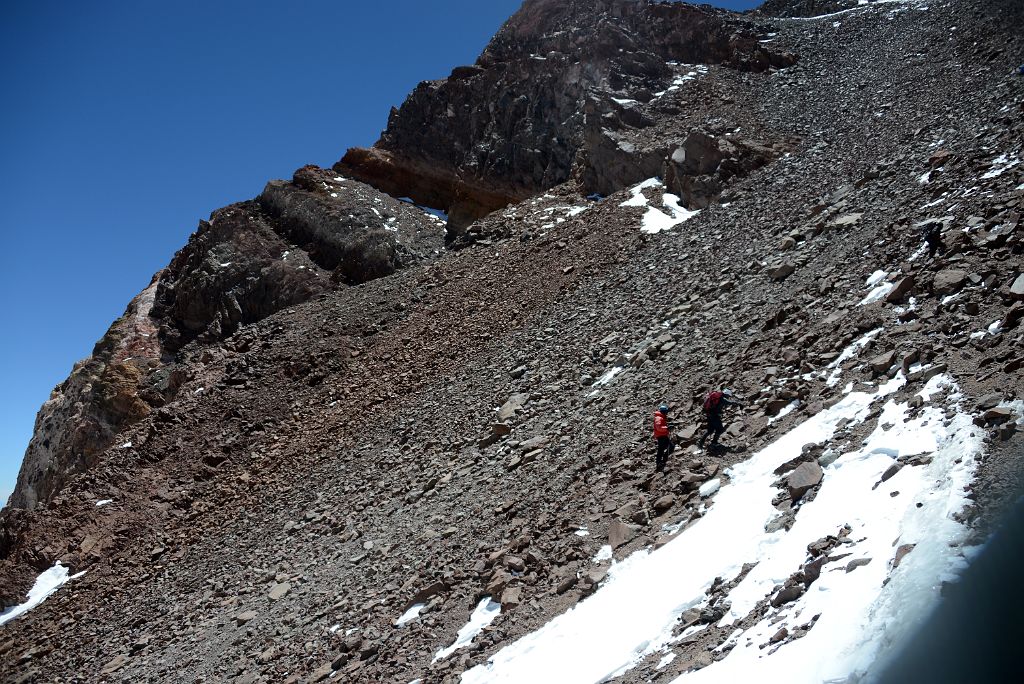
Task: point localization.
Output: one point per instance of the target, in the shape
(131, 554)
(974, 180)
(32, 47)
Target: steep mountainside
(317, 417)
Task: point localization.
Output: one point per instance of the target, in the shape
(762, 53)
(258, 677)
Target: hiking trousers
(665, 447)
(715, 429)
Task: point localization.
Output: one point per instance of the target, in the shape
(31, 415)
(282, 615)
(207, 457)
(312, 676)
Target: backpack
(711, 401)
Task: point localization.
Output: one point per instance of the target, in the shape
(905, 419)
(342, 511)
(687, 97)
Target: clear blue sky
(124, 123)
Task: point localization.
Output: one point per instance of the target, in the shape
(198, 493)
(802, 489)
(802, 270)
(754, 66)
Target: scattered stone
(245, 617)
(806, 477)
(788, 593)
(620, 533)
(279, 591)
(949, 282)
(857, 563)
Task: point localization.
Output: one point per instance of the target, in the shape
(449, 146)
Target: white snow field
(861, 615)
(48, 582)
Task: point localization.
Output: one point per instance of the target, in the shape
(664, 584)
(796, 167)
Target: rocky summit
(383, 402)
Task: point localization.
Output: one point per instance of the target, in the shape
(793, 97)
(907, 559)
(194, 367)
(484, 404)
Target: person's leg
(708, 430)
(716, 425)
(663, 450)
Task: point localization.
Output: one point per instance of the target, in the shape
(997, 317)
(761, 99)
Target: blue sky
(124, 123)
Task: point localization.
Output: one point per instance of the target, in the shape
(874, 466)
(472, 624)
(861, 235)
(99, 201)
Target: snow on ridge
(634, 613)
(860, 6)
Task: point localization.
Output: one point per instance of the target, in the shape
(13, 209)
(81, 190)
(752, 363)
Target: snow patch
(877, 293)
(786, 410)
(634, 613)
(863, 616)
(608, 376)
(638, 199)
(1000, 165)
(849, 353)
(104, 502)
(710, 487)
(482, 616)
(656, 221)
(876, 278)
(48, 582)
(411, 614)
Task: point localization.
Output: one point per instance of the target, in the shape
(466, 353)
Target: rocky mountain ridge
(551, 98)
(443, 433)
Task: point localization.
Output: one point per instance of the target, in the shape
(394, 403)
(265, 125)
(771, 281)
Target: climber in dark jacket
(713, 405)
(661, 436)
(932, 234)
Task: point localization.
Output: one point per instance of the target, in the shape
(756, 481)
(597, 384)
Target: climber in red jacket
(661, 436)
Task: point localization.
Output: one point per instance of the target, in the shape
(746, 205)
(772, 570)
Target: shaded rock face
(296, 240)
(545, 98)
(248, 261)
(347, 228)
(235, 269)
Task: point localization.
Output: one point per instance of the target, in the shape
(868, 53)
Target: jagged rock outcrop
(550, 94)
(296, 240)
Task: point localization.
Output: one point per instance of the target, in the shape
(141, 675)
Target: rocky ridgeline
(478, 424)
(562, 90)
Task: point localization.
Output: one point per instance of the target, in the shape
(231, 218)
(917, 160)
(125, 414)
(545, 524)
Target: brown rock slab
(279, 591)
(802, 480)
(857, 563)
(620, 533)
(511, 406)
(664, 503)
(949, 281)
(511, 597)
(245, 617)
(901, 290)
(788, 593)
(1017, 288)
